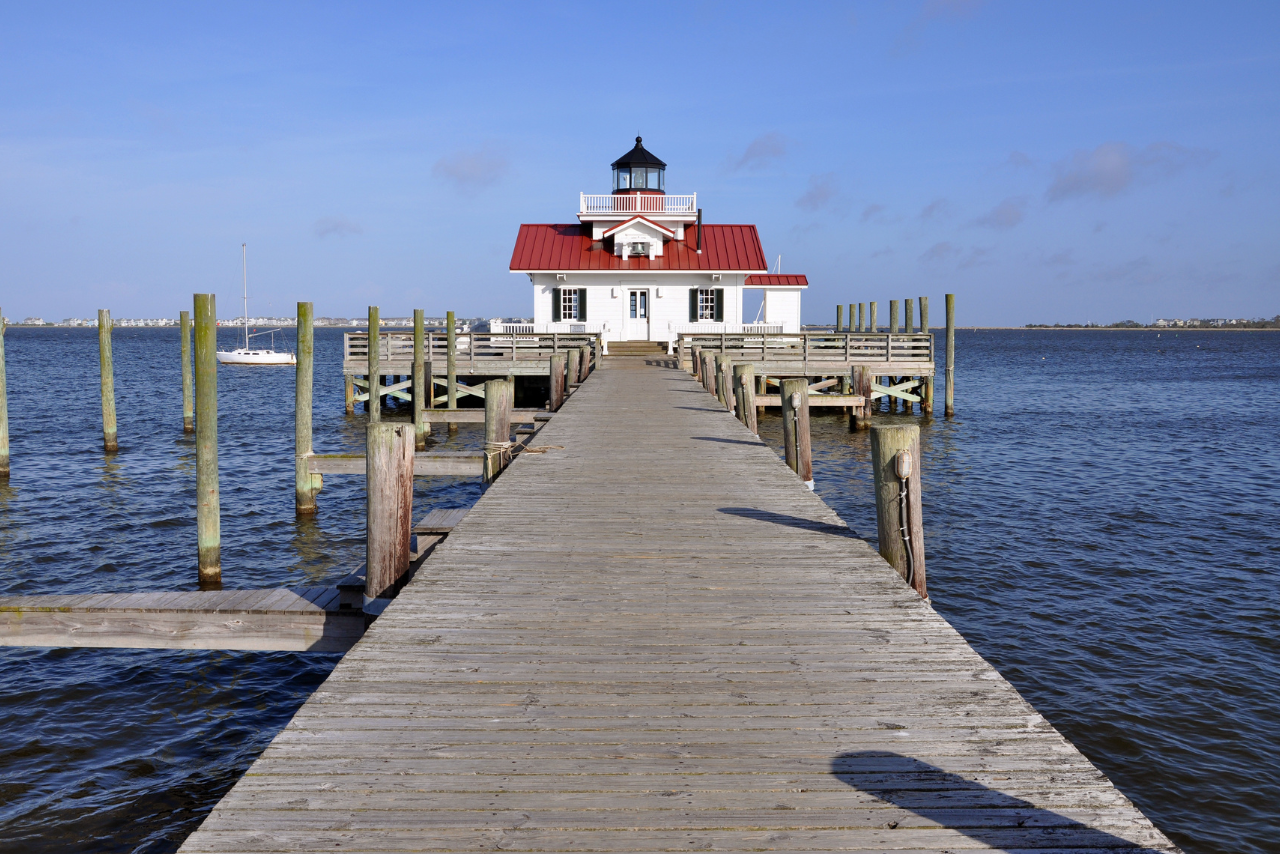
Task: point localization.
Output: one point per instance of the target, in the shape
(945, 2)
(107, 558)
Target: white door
(636, 326)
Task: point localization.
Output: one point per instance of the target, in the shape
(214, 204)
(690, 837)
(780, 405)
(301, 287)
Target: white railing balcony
(641, 203)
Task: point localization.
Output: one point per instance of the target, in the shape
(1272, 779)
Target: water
(1101, 523)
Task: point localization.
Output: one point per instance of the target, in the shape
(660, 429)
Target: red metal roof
(570, 247)
(777, 281)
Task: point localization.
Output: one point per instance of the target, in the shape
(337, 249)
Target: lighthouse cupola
(638, 171)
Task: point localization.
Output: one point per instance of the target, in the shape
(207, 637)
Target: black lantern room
(639, 171)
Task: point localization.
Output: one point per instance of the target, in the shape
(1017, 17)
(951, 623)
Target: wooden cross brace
(463, 389)
(899, 391)
(396, 390)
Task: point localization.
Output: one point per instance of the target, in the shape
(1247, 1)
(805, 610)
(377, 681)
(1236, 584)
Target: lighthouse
(641, 265)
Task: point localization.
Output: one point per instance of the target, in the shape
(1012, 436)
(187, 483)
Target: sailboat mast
(244, 263)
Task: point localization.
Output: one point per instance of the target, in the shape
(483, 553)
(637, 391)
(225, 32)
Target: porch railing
(637, 203)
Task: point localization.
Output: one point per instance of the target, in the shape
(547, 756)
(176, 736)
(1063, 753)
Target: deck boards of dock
(653, 637)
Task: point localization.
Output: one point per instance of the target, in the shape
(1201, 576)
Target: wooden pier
(652, 637)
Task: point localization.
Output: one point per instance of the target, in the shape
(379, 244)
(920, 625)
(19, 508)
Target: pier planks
(654, 637)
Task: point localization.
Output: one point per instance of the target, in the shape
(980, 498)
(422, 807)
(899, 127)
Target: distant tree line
(1195, 323)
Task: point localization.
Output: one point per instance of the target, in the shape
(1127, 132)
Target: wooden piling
(388, 506)
(872, 322)
(895, 534)
(208, 502)
(556, 374)
(862, 317)
(188, 400)
(375, 379)
(849, 326)
(498, 398)
(108, 383)
(861, 385)
(572, 357)
(584, 362)
(795, 428)
(421, 426)
(451, 365)
(4, 409)
(894, 309)
(695, 363)
(839, 317)
(724, 380)
(306, 484)
(709, 371)
(744, 387)
(951, 356)
(924, 314)
(349, 393)
(908, 321)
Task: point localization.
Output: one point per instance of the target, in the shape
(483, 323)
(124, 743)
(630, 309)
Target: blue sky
(1044, 161)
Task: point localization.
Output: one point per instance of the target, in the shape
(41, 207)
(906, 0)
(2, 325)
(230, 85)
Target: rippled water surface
(1102, 523)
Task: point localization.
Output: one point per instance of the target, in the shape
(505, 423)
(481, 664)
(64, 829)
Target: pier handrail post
(497, 427)
(388, 506)
(375, 380)
(108, 382)
(306, 484)
(572, 357)
(421, 426)
(724, 375)
(4, 410)
(744, 385)
(188, 399)
(451, 362)
(555, 375)
(208, 501)
(795, 428)
(951, 355)
(894, 494)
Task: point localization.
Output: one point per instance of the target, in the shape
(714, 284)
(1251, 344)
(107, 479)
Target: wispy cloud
(1018, 160)
(472, 170)
(931, 11)
(335, 226)
(940, 252)
(822, 192)
(936, 208)
(1115, 166)
(762, 151)
(871, 212)
(1005, 215)
(1065, 258)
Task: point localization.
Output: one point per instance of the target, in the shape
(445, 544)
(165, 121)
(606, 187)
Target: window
(621, 179)
(654, 179)
(707, 303)
(639, 305)
(569, 304)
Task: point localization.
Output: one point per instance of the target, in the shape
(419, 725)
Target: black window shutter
(555, 305)
(693, 305)
(719, 305)
(582, 303)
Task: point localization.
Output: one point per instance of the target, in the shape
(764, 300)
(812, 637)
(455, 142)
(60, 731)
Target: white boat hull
(243, 356)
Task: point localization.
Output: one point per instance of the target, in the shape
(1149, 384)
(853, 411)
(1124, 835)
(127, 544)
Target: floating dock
(652, 637)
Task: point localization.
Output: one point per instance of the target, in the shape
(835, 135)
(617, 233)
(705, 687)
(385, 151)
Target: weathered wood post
(208, 502)
(907, 327)
(451, 365)
(839, 316)
(695, 363)
(375, 378)
(349, 393)
(708, 371)
(188, 400)
(861, 383)
(895, 464)
(894, 312)
(849, 326)
(862, 317)
(498, 396)
(556, 376)
(795, 428)
(572, 357)
(951, 356)
(926, 397)
(724, 378)
(421, 426)
(4, 410)
(108, 382)
(306, 484)
(762, 388)
(872, 322)
(388, 506)
(584, 363)
(744, 387)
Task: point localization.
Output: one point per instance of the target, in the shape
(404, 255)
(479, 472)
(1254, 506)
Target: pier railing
(802, 351)
(395, 349)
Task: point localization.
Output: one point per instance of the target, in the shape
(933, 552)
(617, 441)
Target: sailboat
(247, 355)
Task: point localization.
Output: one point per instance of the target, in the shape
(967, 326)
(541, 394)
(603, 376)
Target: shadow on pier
(985, 815)
(791, 521)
